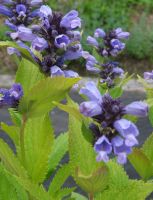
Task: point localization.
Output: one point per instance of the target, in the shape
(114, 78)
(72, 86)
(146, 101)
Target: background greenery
(135, 16)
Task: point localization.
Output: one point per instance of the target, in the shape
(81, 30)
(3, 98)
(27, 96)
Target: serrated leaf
(59, 179)
(135, 190)
(148, 147)
(36, 191)
(60, 147)
(9, 187)
(12, 131)
(38, 137)
(10, 161)
(28, 74)
(24, 52)
(39, 99)
(141, 163)
(15, 117)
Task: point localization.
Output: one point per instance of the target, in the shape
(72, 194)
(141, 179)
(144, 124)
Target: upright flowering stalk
(58, 40)
(112, 132)
(11, 97)
(107, 45)
(20, 14)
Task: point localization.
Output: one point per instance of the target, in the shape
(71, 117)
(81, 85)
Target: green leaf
(24, 52)
(59, 179)
(9, 188)
(116, 92)
(36, 191)
(15, 117)
(148, 147)
(141, 163)
(12, 131)
(151, 115)
(10, 161)
(38, 136)
(64, 192)
(60, 147)
(77, 196)
(28, 75)
(135, 190)
(39, 99)
(120, 187)
(95, 182)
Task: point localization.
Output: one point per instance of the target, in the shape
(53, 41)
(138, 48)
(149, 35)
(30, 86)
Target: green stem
(22, 140)
(91, 196)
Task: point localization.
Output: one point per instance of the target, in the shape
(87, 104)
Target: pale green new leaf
(39, 99)
(28, 74)
(60, 147)
(39, 137)
(59, 179)
(10, 161)
(12, 131)
(77, 196)
(64, 192)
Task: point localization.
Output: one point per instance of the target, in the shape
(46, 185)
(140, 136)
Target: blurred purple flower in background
(112, 133)
(148, 75)
(11, 97)
(108, 44)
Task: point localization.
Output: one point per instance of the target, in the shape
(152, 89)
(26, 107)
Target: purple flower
(137, 108)
(71, 20)
(56, 71)
(112, 133)
(5, 11)
(45, 11)
(39, 44)
(103, 147)
(92, 41)
(148, 75)
(117, 44)
(24, 34)
(99, 33)
(62, 41)
(11, 97)
(120, 34)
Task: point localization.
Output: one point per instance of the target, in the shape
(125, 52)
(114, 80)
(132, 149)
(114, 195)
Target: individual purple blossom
(120, 34)
(39, 44)
(11, 97)
(114, 134)
(148, 75)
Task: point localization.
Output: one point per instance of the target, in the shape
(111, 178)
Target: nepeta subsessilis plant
(102, 126)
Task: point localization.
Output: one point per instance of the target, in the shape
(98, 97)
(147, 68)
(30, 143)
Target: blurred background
(135, 16)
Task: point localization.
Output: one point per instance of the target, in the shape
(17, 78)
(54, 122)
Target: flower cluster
(20, 13)
(112, 132)
(58, 40)
(108, 72)
(11, 97)
(111, 44)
